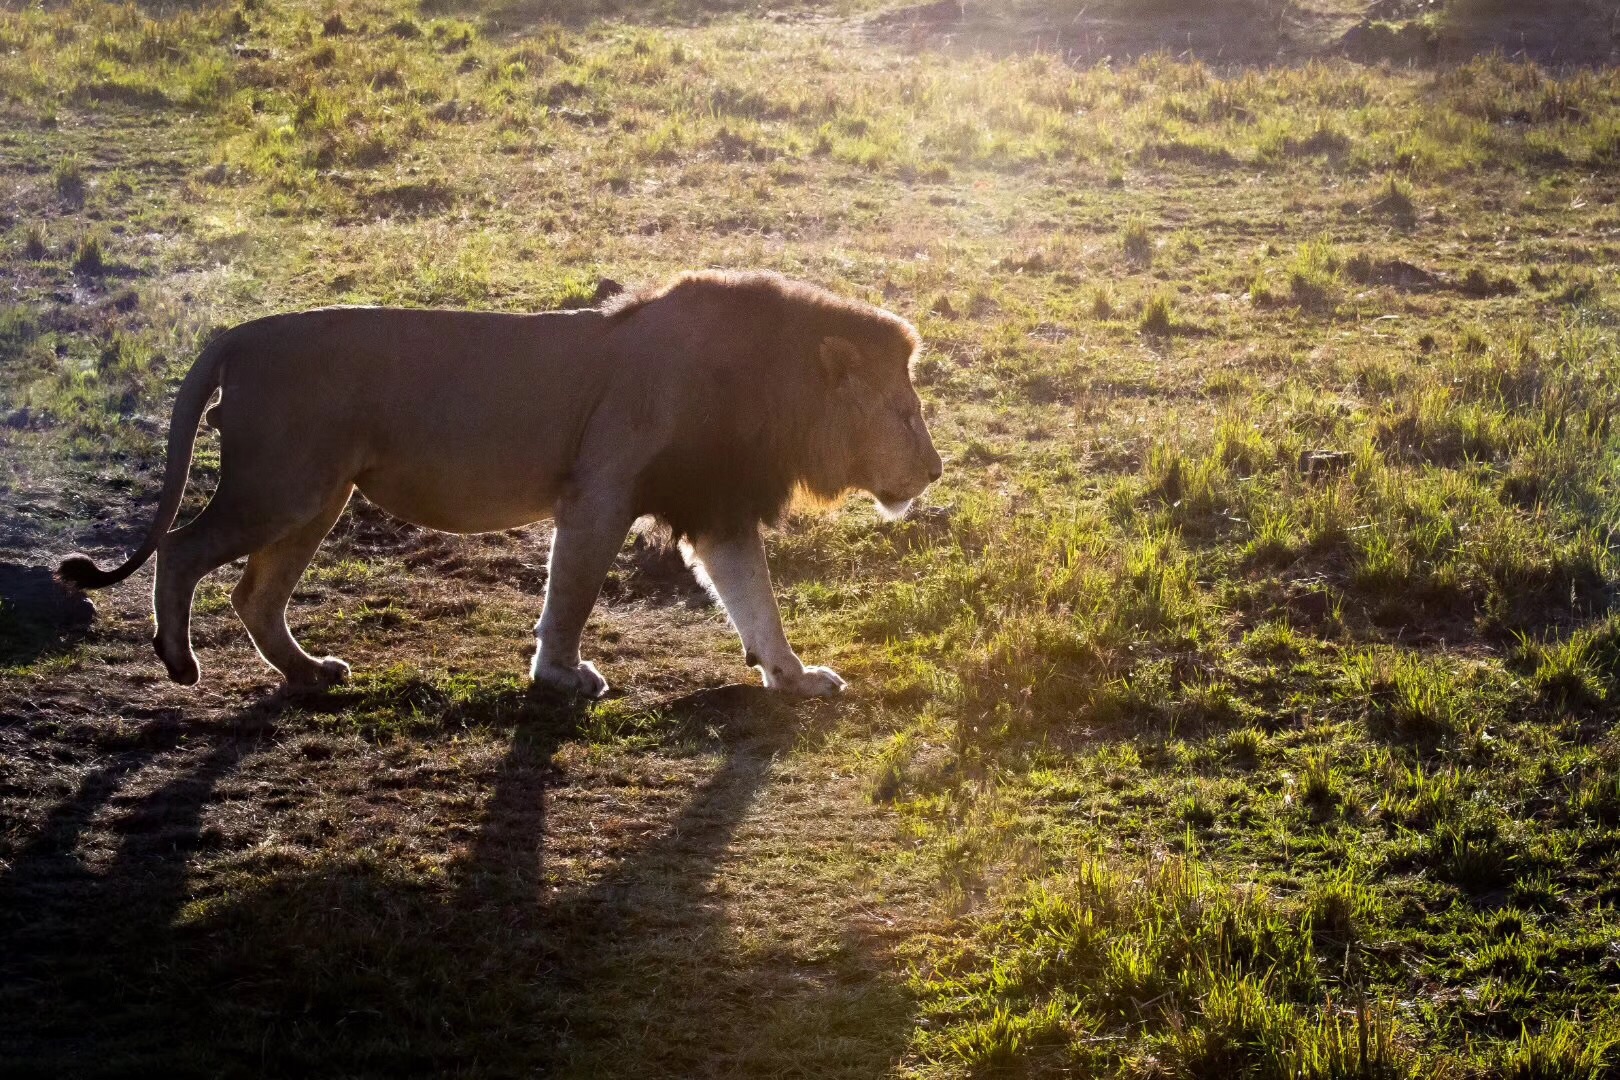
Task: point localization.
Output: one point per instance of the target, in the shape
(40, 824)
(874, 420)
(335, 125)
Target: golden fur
(706, 403)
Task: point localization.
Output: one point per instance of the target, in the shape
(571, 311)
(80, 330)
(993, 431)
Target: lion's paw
(183, 670)
(325, 672)
(182, 663)
(582, 680)
(811, 682)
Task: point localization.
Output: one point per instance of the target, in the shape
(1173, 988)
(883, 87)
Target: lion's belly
(458, 503)
(466, 449)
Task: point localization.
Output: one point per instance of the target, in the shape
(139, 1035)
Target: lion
(708, 404)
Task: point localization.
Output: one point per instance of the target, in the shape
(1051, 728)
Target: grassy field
(1242, 703)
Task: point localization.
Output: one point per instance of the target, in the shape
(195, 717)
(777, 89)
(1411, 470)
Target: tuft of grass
(34, 246)
(1564, 1049)
(88, 258)
(1136, 241)
(1341, 908)
(1568, 674)
(1260, 294)
(1196, 809)
(1102, 302)
(1314, 275)
(1420, 799)
(1246, 746)
(1395, 201)
(1470, 852)
(1320, 786)
(889, 772)
(1081, 967)
(1156, 319)
(1407, 698)
(69, 183)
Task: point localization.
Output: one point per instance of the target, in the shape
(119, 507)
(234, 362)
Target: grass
(87, 256)
(1241, 702)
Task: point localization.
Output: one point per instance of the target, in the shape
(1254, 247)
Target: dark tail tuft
(78, 571)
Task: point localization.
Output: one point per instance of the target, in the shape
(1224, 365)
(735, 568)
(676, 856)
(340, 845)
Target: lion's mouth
(894, 506)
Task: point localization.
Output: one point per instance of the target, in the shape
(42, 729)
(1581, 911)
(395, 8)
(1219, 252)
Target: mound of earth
(1373, 40)
(38, 613)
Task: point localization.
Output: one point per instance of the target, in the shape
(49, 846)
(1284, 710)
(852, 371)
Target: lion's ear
(840, 357)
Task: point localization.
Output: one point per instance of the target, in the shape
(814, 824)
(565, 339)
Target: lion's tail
(195, 391)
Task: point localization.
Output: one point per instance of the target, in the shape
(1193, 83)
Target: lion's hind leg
(223, 532)
(243, 518)
(260, 599)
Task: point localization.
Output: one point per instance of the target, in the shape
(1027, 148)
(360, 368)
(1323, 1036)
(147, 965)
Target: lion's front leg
(587, 538)
(733, 567)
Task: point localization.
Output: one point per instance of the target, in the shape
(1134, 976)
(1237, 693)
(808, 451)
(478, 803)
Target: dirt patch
(410, 199)
(1235, 33)
(652, 570)
(1372, 42)
(1422, 32)
(1395, 273)
(1406, 277)
(243, 883)
(1552, 31)
(1428, 32)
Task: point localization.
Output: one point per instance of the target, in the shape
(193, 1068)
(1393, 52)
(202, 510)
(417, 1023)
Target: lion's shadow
(487, 965)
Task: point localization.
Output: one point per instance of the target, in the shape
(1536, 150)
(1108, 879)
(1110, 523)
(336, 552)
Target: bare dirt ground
(561, 893)
(211, 882)
(1572, 32)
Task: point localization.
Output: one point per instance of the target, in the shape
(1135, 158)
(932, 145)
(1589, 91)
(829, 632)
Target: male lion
(707, 404)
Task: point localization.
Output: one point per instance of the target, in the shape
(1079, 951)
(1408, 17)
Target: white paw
(583, 679)
(810, 682)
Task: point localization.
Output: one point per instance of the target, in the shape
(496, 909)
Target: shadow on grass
(357, 963)
(39, 616)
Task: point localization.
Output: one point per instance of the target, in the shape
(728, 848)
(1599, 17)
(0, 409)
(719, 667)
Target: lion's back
(432, 371)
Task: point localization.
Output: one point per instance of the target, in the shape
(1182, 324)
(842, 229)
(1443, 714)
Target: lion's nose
(936, 471)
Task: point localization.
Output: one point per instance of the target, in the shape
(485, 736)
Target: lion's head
(792, 389)
(889, 453)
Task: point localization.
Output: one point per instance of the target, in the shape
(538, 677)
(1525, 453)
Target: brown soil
(1560, 32)
(226, 881)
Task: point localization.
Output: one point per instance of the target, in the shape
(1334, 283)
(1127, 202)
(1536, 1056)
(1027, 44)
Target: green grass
(1243, 701)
